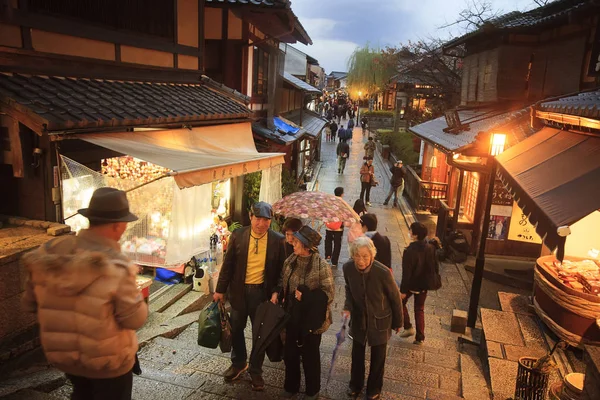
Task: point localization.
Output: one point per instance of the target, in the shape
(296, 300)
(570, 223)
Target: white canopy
(197, 155)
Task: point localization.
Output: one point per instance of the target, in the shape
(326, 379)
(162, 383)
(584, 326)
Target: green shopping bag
(209, 326)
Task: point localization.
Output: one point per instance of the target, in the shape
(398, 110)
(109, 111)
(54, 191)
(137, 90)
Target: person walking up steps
(341, 133)
(374, 307)
(343, 152)
(367, 174)
(419, 268)
(396, 184)
(334, 129)
(333, 235)
(370, 148)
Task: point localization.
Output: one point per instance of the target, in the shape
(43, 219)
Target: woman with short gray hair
(374, 307)
(361, 242)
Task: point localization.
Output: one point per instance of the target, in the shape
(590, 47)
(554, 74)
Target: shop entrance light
(497, 143)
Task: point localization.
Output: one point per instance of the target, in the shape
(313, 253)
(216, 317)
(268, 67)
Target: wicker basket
(531, 384)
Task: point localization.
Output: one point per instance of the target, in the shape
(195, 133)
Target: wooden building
(509, 64)
(116, 69)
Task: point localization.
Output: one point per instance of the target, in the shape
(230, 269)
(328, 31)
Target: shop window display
(173, 225)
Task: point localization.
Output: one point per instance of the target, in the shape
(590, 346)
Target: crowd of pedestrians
(87, 275)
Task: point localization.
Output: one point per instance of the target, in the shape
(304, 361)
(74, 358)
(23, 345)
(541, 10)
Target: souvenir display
(583, 275)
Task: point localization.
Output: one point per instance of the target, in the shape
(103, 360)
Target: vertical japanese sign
(521, 229)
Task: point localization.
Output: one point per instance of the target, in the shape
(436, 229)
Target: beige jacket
(84, 292)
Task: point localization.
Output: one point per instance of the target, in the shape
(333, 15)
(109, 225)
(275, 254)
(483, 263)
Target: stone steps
(28, 394)
(168, 297)
(508, 335)
(41, 381)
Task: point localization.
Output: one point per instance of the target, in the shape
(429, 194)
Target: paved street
(178, 368)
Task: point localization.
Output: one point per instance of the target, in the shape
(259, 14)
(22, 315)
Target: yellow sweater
(257, 257)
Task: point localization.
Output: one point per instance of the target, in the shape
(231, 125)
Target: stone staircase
(509, 334)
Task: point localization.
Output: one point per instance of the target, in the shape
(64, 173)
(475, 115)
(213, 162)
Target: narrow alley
(177, 368)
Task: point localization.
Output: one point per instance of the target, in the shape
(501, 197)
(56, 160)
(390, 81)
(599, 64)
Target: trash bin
(531, 384)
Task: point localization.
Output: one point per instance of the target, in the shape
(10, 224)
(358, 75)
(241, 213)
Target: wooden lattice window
(260, 71)
(469, 197)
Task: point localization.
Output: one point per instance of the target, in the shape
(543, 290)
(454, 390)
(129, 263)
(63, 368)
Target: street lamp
(497, 142)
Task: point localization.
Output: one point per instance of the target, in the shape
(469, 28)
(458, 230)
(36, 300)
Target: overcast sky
(337, 27)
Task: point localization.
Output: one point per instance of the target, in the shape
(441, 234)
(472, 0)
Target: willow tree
(367, 71)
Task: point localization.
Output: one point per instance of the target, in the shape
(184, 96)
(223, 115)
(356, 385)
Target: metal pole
(480, 261)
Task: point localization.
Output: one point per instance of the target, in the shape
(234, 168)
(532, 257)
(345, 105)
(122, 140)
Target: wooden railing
(423, 195)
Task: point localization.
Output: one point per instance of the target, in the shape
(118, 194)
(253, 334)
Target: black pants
(118, 388)
(357, 373)
(255, 295)
(365, 191)
(311, 361)
(333, 238)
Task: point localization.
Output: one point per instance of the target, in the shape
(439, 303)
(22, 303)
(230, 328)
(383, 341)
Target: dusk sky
(337, 27)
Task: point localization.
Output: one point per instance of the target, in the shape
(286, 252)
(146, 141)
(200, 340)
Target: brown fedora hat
(108, 205)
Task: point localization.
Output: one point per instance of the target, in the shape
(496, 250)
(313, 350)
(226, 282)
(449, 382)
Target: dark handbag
(209, 326)
(374, 182)
(226, 338)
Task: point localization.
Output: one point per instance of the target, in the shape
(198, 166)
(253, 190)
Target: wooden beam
(25, 30)
(23, 115)
(83, 30)
(15, 146)
(201, 43)
(32, 62)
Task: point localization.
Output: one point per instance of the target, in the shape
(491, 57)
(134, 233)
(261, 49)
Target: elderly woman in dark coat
(375, 309)
(308, 289)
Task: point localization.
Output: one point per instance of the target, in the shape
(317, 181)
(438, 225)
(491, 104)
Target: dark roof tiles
(70, 103)
(515, 123)
(521, 20)
(299, 83)
(583, 105)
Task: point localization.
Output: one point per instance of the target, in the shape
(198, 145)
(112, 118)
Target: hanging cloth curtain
(270, 184)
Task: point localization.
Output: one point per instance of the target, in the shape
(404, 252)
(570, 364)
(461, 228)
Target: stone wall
(14, 321)
(18, 331)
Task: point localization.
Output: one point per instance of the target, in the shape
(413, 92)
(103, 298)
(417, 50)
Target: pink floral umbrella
(317, 206)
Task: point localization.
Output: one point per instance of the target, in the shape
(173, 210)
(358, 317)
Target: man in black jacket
(382, 243)
(396, 184)
(343, 152)
(250, 271)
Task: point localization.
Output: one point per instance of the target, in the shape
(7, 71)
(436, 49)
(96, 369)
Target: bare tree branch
(542, 3)
(475, 14)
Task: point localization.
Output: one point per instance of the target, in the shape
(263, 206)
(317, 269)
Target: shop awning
(555, 178)
(197, 155)
(300, 84)
(312, 123)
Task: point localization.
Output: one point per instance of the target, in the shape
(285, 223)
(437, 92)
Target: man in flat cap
(84, 292)
(250, 272)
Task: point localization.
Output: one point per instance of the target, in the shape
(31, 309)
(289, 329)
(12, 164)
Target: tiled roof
(583, 105)
(522, 20)
(299, 83)
(479, 120)
(338, 75)
(312, 123)
(73, 103)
